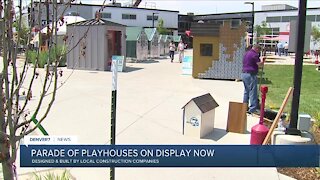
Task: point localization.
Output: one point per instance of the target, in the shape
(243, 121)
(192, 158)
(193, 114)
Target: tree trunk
(4, 142)
(7, 169)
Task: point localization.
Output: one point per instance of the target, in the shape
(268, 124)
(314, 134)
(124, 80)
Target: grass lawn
(279, 78)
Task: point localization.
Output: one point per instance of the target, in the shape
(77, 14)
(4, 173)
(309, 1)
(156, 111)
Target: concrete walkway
(150, 98)
(288, 60)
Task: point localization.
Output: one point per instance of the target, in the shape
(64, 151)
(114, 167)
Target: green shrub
(51, 176)
(317, 119)
(31, 56)
(43, 58)
(55, 53)
(60, 53)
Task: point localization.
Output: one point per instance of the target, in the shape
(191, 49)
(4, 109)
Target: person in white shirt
(181, 51)
(280, 48)
(172, 48)
(286, 48)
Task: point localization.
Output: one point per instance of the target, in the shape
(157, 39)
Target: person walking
(286, 49)
(181, 51)
(280, 48)
(251, 63)
(172, 48)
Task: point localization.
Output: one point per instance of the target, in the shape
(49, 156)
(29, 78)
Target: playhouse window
(235, 23)
(206, 49)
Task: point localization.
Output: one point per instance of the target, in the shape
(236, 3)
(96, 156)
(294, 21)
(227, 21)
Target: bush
(31, 56)
(52, 176)
(43, 58)
(58, 53)
(317, 119)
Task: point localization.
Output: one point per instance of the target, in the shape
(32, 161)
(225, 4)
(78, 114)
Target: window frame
(206, 49)
(129, 16)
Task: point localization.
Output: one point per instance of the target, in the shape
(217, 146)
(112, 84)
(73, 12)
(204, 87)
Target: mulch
(304, 173)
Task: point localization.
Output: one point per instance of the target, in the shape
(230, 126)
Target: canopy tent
(280, 38)
(62, 26)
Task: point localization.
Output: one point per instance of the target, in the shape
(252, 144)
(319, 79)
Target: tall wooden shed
(198, 116)
(92, 44)
(153, 38)
(136, 43)
(218, 49)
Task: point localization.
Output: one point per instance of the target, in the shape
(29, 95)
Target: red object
(188, 33)
(260, 131)
(317, 61)
(35, 29)
(284, 33)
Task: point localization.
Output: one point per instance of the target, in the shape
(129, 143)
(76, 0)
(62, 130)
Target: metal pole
(298, 68)
(114, 68)
(48, 19)
(252, 24)
(152, 20)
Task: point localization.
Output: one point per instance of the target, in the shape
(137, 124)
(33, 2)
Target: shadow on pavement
(148, 61)
(131, 69)
(216, 134)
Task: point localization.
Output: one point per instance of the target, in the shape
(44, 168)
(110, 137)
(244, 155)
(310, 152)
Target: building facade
(276, 17)
(129, 16)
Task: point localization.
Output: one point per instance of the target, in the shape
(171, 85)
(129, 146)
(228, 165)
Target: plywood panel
(237, 117)
(202, 63)
(192, 121)
(207, 123)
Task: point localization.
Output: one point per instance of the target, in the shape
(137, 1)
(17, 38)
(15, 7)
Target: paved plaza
(150, 97)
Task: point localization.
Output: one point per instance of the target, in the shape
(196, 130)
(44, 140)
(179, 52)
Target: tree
(262, 29)
(17, 82)
(22, 31)
(160, 27)
(315, 33)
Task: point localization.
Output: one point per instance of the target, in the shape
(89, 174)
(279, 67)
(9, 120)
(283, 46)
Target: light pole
(153, 19)
(300, 37)
(252, 23)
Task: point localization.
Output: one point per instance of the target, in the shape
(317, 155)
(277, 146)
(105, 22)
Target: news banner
(63, 151)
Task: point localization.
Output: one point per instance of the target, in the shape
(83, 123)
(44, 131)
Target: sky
(207, 6)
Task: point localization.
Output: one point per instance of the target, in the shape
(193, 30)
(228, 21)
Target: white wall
(170, 18)
(261, 16)
(285, 26)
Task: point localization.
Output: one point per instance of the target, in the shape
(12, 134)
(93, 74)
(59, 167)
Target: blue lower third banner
(169, 156)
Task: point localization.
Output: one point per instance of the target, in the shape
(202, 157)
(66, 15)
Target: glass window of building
(149, 18)
(311, 18)
(129, 16)
(106, 15)
(285, 19)
(274, 19)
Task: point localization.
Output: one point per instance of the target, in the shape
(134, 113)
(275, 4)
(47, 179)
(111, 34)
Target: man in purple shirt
(251, 63)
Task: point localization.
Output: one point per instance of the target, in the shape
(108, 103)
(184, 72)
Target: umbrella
(280, 38)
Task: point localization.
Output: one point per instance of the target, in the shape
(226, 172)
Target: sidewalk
(287, 60)
(150, 98)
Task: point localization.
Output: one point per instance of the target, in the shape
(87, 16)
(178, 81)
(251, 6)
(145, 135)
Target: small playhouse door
(114, 45)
